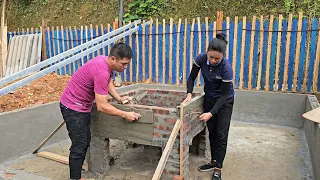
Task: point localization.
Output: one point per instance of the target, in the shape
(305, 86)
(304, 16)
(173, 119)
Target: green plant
(139, 9)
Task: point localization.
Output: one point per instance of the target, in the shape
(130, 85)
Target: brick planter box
(160, 110)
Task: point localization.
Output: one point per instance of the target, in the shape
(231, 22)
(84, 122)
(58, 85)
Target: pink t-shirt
(93, 77)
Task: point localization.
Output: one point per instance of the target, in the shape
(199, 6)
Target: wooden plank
(286, 63)
(219, 21)
(316, 65)
(17, 55)
(214, 32)
(267, 84)
(71, 45)
(109, 46)
(81, 42)
(67, 47)
(137, 53)
(58, 46)
(92, 37)
(166, 152)
(306, 66)
(297, 55)
(102, 33)
(143, 51)
(4, 50)
(228, 36)
(97, 35)
(181, 140)
(244, 23)
(23, 51)
(34, 58)
(157, 51)
(235, 39)
(170, 51)
(184, 66)
(131, 44)
(77, 40)
(164, 51)
(150, 51)
(207, 31)
(26, 55)
(276, 79)
(9, 64)
(313, 115)
(86, 39)
(199, 46)
(64, 49)
(191, 43)
(253, 27)
(261, 53)
(59, 158)
(178, 54)
(44, 46)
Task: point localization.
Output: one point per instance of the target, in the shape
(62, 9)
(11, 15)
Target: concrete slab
(255, 152)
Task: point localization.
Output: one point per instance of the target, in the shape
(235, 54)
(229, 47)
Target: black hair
(218, 44)
(121, 50)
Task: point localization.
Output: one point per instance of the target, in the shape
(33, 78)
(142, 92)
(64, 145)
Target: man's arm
(105, 107)
(113, 92)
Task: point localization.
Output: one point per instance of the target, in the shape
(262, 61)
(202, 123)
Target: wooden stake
(261, 53)
(44, 47)
(253, 27)
(266, 86)
(286, 63)
(234, 59)
(297, 56)
(242, 52)
(170, 51)
(276, 79)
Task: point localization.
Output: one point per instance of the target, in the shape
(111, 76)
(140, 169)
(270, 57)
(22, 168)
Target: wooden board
(313, 115)
(166, 152)
(59, 158)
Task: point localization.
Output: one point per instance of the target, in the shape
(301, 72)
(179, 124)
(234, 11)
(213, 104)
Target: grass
(85, 12)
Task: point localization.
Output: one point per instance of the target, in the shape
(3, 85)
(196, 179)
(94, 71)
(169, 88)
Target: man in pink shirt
(92, 82)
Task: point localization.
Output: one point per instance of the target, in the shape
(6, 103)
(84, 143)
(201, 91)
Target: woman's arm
(193, 75)
(225, 86)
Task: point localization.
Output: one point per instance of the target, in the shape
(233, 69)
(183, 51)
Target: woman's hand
(205, 116)
(188, 98)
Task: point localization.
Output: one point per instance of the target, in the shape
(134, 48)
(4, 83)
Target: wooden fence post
(44, 47)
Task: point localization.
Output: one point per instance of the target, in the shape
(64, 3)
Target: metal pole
(118, 77)
(120, 13)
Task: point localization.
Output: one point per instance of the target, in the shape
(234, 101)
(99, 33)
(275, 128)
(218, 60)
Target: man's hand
(188, 98)
(205, 116)
(131, 116)
(125, 99)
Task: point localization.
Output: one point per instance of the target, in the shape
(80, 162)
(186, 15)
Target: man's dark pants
(78, 126)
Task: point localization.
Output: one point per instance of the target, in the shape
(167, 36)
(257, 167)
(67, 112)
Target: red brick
(171, 121)
(151, 91)
(156, 134)
(156, 126)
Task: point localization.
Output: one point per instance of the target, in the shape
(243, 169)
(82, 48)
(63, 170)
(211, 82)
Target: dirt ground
(255, 152)
(41, 91)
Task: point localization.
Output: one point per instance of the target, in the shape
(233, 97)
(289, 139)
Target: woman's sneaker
(216, 174)
(208, 167)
